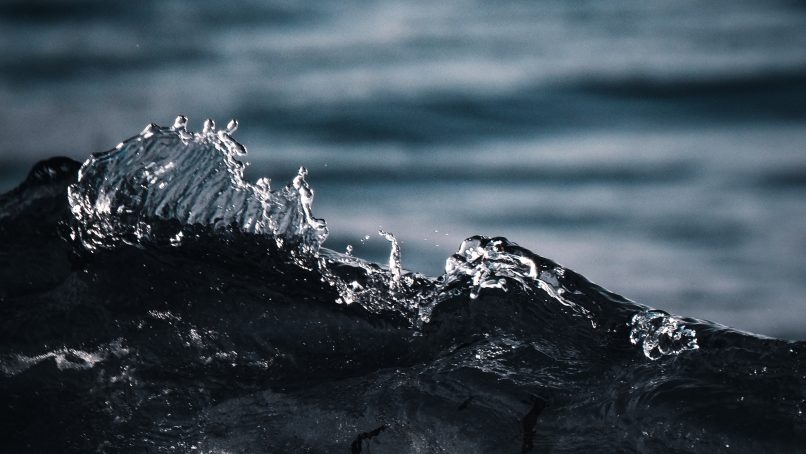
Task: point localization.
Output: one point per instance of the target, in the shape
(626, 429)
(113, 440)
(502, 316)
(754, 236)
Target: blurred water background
(658, 148)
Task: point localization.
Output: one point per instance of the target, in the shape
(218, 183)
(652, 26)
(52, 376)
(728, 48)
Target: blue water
(659, 149)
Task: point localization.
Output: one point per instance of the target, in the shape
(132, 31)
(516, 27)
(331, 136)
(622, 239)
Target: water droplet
(232, 126)
(349, 250)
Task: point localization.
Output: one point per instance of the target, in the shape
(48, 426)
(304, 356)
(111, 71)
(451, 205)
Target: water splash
(196, 178)
(660, 334)
(480, 263)
(492, 263)
(376, 289)
(488, 265)
(64, 358)
(193, 178)
(394, 257)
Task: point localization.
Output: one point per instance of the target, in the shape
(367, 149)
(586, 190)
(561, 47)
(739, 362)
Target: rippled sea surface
(658, 148)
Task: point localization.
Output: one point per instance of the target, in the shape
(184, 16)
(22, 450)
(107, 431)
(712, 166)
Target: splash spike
(181, 122)
(209, 126)
(394, 258)
(155, 176)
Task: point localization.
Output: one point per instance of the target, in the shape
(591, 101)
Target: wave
(154, 300)
(196, 179)
(192, 178)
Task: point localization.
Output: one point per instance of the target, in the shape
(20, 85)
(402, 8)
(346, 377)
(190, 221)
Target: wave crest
(194, 178)
(154, 186)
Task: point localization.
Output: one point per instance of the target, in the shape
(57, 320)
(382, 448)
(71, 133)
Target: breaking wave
(193, 178)
(154, 300)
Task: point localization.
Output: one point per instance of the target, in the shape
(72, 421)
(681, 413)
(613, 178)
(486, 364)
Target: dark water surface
(155, 301)
(659, 149)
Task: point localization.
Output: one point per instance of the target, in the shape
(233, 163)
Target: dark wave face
(154, 301)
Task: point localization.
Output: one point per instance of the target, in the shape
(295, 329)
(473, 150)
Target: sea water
(657, 148)
(155, 301)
